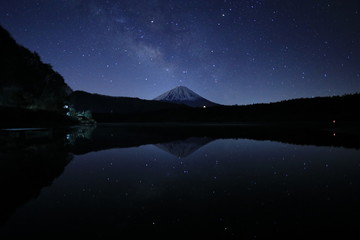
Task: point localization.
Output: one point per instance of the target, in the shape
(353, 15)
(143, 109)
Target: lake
(181, 181)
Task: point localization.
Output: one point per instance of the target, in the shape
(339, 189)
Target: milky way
(231, 52)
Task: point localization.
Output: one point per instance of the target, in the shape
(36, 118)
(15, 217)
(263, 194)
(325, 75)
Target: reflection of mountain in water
(185, 147)
(182, 140)
(30, 160)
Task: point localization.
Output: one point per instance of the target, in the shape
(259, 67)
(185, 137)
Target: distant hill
(102, 104)
(25, 81)
(318, 109)
(340, 109)
(183, 95)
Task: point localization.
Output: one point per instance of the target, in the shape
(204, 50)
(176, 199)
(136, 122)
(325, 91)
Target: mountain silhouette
(25, 81)
(183, 95)
(103, 104)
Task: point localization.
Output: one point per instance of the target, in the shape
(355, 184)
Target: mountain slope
(183, 95)
(25, 81)
(96, 103)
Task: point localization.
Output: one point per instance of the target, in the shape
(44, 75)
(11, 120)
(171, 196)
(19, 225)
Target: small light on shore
(204, 106)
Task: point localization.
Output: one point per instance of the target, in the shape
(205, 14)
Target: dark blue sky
(231, 52)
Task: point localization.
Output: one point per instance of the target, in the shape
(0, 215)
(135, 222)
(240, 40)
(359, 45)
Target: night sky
(230, 52)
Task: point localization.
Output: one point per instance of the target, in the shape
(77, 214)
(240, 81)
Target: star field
(230, 52)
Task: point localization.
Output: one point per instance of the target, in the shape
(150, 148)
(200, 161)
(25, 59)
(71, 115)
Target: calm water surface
(193, 187)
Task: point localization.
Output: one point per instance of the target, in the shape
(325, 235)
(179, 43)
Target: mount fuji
(183, 95)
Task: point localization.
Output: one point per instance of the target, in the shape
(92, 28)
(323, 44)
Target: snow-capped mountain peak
(179, 93)
(184, 95)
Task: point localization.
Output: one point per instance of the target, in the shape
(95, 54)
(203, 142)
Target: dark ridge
(338, 109)
(25, 81)
(101, 104)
